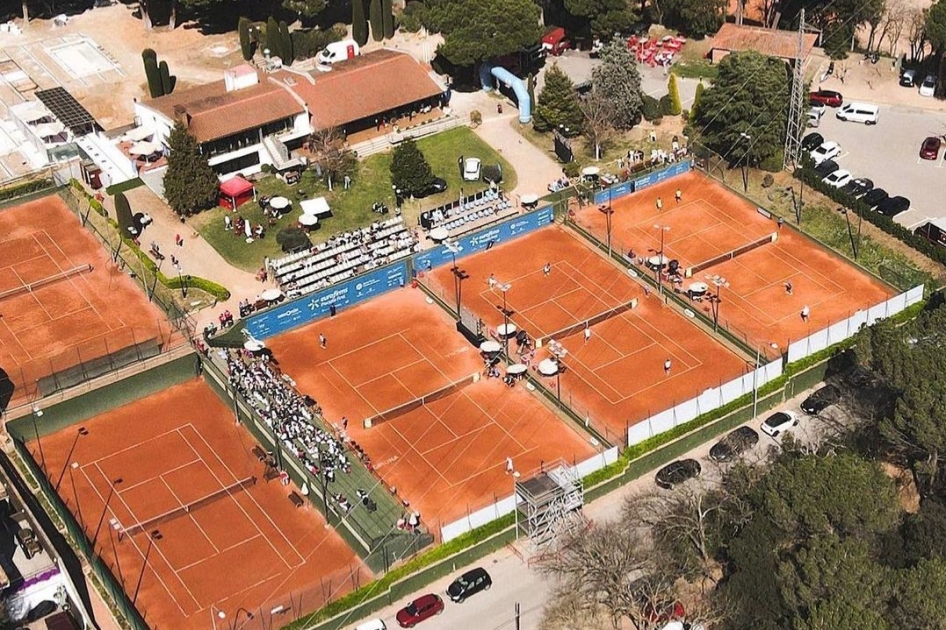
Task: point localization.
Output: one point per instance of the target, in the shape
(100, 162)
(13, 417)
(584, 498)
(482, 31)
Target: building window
(237, 164)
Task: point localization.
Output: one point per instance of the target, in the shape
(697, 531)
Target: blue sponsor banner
(615, 192)
(508, 230)
(626, 188)
(310, 307)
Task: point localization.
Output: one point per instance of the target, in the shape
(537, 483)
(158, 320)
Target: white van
(859, 112)
(374, 624)
(339, 51)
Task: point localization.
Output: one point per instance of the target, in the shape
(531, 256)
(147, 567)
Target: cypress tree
(150, 59)
(285, 44)
(246, 45)
(387, 18)
(676, 108)
(696, 100)
(377, 23)
(359, 25)
(167, 81)
(272, 37)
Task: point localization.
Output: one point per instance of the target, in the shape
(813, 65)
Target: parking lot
(889, 154)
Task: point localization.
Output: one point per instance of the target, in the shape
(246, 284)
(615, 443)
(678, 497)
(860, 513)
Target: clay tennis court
(449, 455)
(246, 548)
(616, 377)
(711, 221)
(80, 307)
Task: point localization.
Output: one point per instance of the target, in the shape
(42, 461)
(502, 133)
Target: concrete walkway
(534, 168)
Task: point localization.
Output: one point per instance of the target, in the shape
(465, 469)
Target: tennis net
(587, 323)
(411, 405)
(715, 260)
(187, 508)
(28, 287)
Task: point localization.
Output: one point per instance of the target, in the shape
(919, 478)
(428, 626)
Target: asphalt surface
(515, 582)
(889, 154)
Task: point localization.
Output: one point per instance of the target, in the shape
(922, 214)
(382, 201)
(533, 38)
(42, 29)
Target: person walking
(547, 269)
(678, 195)
(788, 288)
(323, 342)
(587, 333)
(667, 366)
(509, 467)
(805, 313)
(780, 222)
(659, 204)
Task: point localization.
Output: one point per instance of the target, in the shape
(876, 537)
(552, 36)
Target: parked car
(838, 178)
(858, 187)
(928, 87)
(874, 197)
(826, 151)
(818, 108)
(438, 185)
(812, 119)
(677, 472)
(821, 400)
(373, 624)
(929, 150)
(812, 141)
(471, 169)
(908, 78)
(828, 97)
(859, 112)
(424, 607)
(778, 422)
(734, 444)
(892, 206)
(470, 583)
(826, 168)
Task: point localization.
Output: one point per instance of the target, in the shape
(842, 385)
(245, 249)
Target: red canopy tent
(235, 192)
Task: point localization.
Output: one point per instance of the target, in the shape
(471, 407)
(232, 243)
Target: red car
(424, 607)
(827, 97)
(929, 150)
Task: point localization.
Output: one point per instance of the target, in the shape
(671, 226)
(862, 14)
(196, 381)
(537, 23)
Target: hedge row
(808, 175)
(131, 184)
(218, 292)
(21, 190)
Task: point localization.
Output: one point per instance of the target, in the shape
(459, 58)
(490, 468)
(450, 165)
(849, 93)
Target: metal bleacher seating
(455, 216)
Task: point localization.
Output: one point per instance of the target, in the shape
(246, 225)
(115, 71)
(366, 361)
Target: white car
(928, 87)
(778, 422)
(838, 179)
(471, 169)
(818, 109)
(826, 151)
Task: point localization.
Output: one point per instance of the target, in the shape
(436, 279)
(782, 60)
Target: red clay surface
(711, 221)
(82, 317)
(617, 377)
(448, 456)
(249, 549)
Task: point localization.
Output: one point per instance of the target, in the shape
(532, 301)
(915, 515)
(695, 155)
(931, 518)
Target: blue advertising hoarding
(310, 307)
(626, 188)
(508, 230)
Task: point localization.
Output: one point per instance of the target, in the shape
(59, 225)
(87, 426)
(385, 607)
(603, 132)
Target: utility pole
(796, 107)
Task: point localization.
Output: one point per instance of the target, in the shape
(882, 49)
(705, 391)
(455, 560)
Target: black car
(821, 400)
(858, 187)
(826, 168)
(470, 583)
(874, 197)
(438, 185)
(812, 141)
(892, 206)
(677, 472)
(734, 444)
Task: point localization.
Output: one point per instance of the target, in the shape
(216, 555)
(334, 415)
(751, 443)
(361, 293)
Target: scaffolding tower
(549, 502)
(796, 110)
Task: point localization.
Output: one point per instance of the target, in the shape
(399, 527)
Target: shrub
(768, 180)
(476, 118)
(773, 163)
(651, 107)
(410, 18)
(293, 239)
(571, 169)
(308, 43)
(492, 173)
(665, 105)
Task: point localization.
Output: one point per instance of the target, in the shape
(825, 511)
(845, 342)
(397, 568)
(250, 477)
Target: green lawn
(351, 208)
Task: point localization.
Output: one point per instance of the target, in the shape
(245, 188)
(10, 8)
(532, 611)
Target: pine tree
(190, 185)
(377, 22)
(150, 59)
(123, 215)
(359, 25)
(246, 44)
(387, 18)
(676, 108)
(410, 171)
(558, 105)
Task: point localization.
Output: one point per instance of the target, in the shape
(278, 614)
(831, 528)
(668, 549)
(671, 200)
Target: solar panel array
(68, 110)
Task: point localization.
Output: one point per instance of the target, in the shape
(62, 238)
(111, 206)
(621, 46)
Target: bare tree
(890, 26)
(916, 33)
(598, 127)
(329, 153)
(564, 611)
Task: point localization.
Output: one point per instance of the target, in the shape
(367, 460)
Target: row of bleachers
(483, 203)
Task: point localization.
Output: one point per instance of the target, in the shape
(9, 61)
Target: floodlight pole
(607, 213)
(850, 230)
(660, 257)
(152, 536)
(504, 287)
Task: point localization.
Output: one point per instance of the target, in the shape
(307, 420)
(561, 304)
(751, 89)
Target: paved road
(888, 153)
(514, 581)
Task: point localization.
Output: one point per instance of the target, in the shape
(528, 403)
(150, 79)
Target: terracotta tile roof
(770, 42)
(364, 87)
(215, 113)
